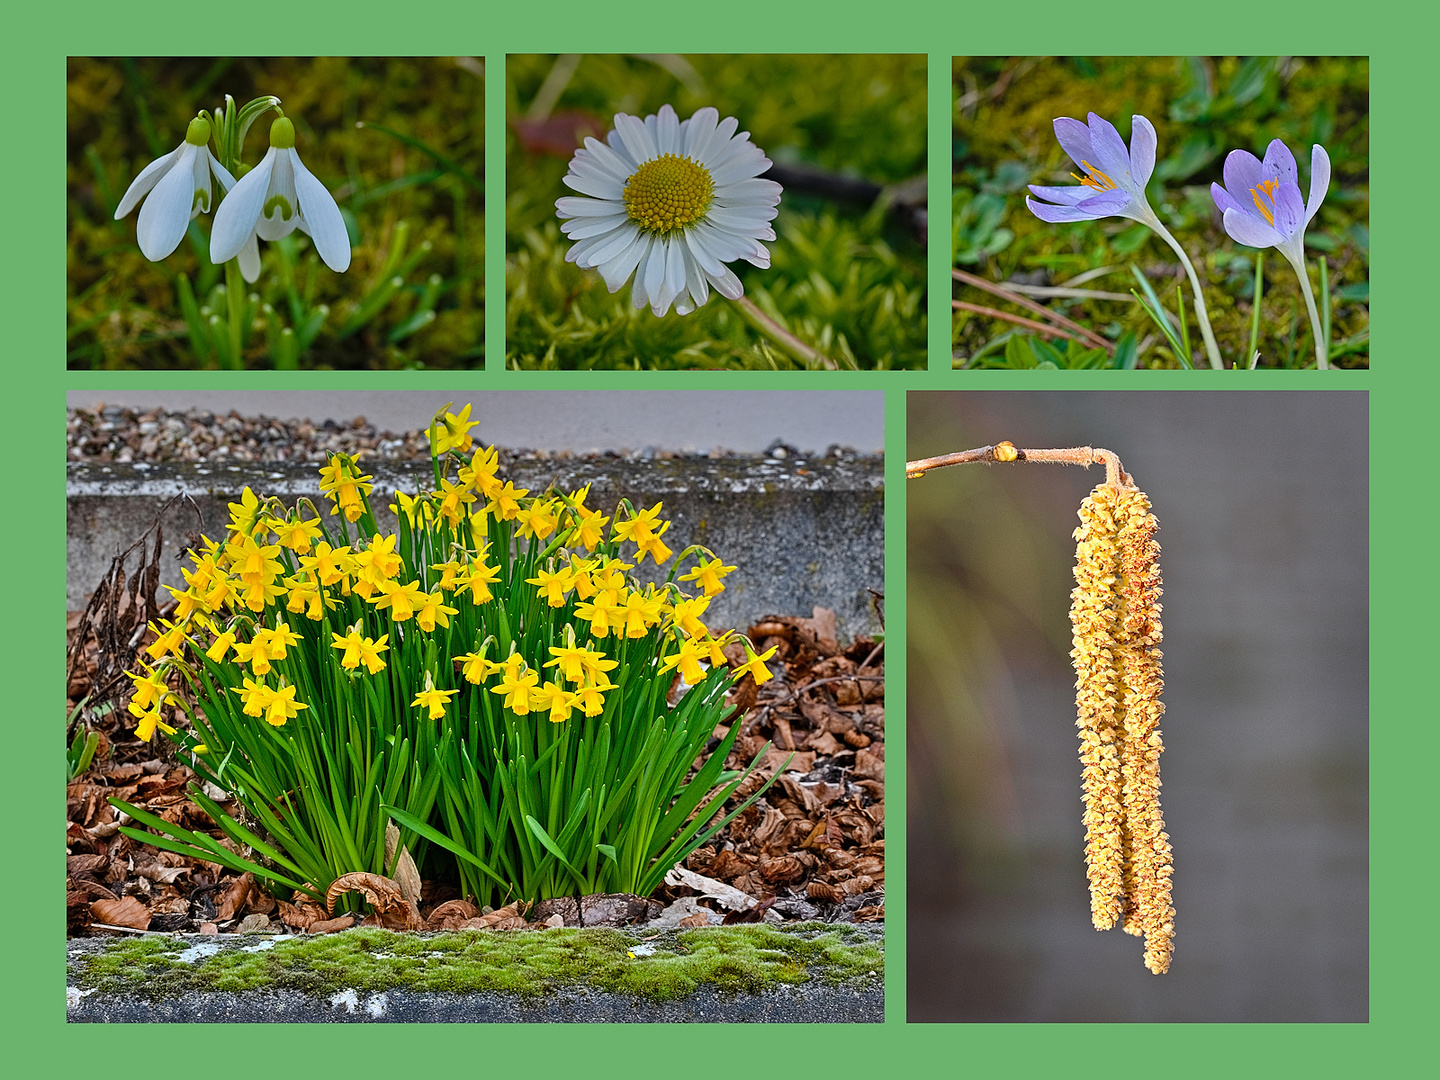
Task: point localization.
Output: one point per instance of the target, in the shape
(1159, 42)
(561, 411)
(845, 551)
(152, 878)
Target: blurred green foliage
(1202, 108)
(413, 202)
(847, 279)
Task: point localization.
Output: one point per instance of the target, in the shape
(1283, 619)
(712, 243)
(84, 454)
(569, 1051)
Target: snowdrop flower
(178, 186)
(671, 202)
(272, 200)
(1261, 207)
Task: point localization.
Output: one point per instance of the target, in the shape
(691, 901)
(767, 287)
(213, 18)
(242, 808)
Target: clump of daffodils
(493, 628)
(1115, 614)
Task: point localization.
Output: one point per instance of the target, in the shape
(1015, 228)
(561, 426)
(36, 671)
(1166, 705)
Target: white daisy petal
(321, 216)
(166, 213)
(652, 267)
(667, 124)
(239, 211)
(617, 269)
(602, 158)
(636, 139)
(700, 133)
(574, 206)
(596, 226)
(727, 284)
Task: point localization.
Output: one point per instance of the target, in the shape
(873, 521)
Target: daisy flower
(178, 186)
(272, 200)
(670, 202)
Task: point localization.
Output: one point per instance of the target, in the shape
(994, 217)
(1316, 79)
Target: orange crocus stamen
(1268, 188)
(1096, 179)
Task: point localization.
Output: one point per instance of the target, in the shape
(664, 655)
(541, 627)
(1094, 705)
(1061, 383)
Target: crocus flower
(1261, 207)
(272, 200)
(1114, 180)
(1261, 201)
(178, 186)
(1114, 186)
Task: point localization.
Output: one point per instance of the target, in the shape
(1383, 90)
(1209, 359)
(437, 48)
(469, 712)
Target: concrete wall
(801, 536)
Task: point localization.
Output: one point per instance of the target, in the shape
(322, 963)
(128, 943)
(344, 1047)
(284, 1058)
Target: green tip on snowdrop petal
(282, 134)
(198, 133)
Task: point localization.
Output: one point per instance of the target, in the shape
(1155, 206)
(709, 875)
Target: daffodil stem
(1321, 360)
(1005, 452)
(782, 337)
(1212, 351)
(235, 303)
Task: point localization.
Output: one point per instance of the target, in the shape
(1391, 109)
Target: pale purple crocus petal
(1110, 153)
(1074, 139)
(1110, 204)
(1142, 150)
(1243, 172)
(1289, 210)
(1250, 230)
(1279, 163)
(1066, 195)
(1319, 180)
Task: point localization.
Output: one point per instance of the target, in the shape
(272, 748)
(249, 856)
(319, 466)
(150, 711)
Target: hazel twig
(1005, 452)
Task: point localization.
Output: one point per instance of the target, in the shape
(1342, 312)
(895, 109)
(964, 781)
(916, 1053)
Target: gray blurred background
(1262, 502)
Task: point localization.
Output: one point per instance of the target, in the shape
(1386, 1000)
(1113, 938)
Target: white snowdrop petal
(146, 181)
(239, 211)
(166, 213)
(200, 177)
(321, 215)
(250, 260)
(279, 219)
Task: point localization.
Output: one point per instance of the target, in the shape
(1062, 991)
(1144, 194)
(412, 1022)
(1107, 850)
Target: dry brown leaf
(384, 895)
(697, 919)
(127, 912)
(232, 900)
(253, 923)
(452, 915)
(329, 926)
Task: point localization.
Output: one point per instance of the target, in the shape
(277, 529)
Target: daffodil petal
(322, 215)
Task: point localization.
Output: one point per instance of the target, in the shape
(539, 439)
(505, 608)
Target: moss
(741, 959)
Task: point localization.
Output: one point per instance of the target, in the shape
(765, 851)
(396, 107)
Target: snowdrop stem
(1212, 351)
(235, 303)
(782, 337)
(1298, 263)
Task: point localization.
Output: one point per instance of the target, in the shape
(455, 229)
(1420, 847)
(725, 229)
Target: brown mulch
(811, 847)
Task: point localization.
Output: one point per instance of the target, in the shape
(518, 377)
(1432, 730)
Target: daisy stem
(1212, 351)
(235, 302)
(782, 337)
(1321, 360)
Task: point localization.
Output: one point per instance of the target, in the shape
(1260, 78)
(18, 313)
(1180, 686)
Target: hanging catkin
(1115, 616)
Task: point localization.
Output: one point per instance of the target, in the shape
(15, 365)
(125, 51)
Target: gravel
(113, 434)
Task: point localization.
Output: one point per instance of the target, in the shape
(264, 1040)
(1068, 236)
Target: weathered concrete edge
(803, 533)
(811, 1004)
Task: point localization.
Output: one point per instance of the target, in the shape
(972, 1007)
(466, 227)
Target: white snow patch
(199, 952)
(378, 1005)
(348, 998)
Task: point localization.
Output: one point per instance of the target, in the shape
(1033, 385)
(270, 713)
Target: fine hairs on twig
(1115, 619)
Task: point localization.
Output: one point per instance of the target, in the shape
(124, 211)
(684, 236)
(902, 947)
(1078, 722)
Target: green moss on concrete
(740, 959)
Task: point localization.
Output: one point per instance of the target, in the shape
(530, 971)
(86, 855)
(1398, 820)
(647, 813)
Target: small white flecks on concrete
(347, 998)
(199, 952)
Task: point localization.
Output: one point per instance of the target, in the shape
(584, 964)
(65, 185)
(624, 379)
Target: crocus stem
(1321, 360)
(782, 337)
(235, 303)
(1212, 351)
(1115, 474)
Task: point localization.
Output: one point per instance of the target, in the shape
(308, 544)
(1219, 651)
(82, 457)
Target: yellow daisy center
(668, 193)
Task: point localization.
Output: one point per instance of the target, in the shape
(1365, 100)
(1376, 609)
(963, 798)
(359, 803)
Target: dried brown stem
(1030, 305)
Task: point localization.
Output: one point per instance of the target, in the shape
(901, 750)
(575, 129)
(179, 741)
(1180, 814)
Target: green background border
(1403, 401)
